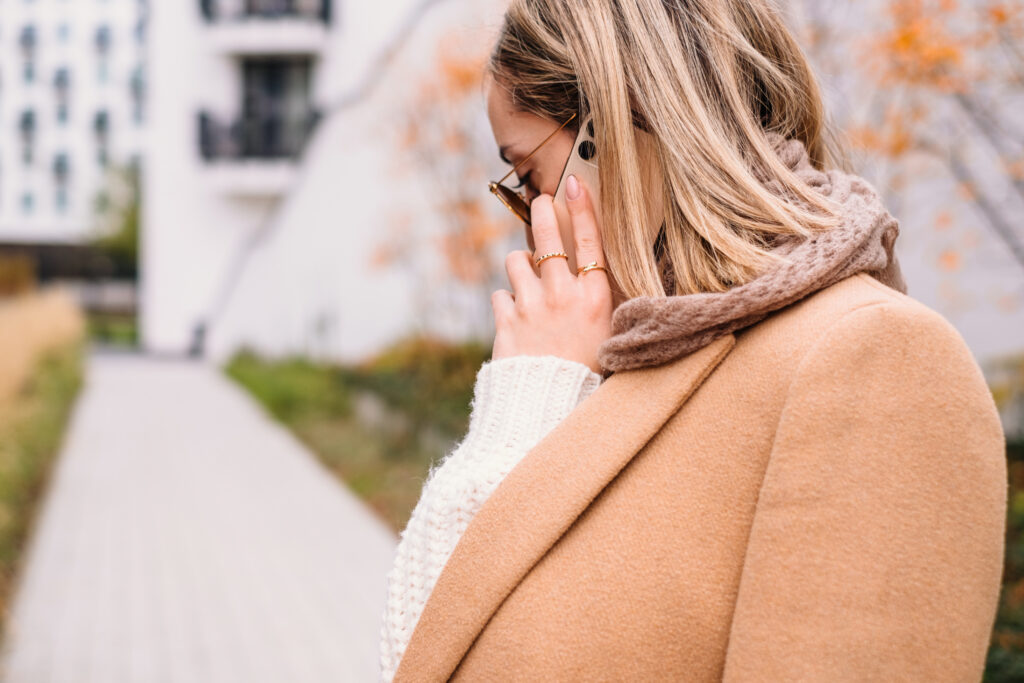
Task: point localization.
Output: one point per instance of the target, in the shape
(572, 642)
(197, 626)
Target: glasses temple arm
(537, 148)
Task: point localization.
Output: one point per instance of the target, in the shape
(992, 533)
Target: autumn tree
(446, 143)
(934, 90)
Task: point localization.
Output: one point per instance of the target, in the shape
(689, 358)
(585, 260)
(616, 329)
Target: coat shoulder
(834, 302)
(809, 319)
(861, 317)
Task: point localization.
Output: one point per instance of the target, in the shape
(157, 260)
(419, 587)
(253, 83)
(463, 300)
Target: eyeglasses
(516, 201)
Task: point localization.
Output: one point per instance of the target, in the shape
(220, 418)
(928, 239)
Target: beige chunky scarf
(653, 330)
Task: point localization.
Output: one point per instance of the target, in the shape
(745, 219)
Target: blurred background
(246, 254)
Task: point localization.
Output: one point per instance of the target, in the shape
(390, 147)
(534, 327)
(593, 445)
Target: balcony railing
(220, 10)
(255, 136)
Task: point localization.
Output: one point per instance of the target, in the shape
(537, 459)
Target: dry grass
(31, 325)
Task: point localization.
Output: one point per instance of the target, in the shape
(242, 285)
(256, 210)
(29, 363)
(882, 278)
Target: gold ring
(547, 256)
(589, 267)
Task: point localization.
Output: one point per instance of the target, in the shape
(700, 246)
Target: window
(27, 128)
(101, 127)
(27, 42)
(27, 202)
(63, 33)
(61, 199)
(103, 39)
(62, 87)
(62, 81)
(138, 87)
(276, 107)
(61, 168)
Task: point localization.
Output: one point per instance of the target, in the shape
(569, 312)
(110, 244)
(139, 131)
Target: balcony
(264, 27)
(255, 154)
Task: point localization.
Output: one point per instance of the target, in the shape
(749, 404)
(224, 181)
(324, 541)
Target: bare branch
(989, 210)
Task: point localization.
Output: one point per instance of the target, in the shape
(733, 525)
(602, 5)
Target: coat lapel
(540, 498)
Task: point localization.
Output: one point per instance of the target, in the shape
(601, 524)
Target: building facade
(72, 105)
(265, 195)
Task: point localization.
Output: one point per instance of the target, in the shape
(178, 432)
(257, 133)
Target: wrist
(517, 400)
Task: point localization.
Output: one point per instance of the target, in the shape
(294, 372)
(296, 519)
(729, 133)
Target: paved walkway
(187, 538)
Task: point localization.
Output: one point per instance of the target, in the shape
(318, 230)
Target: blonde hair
(708, 79)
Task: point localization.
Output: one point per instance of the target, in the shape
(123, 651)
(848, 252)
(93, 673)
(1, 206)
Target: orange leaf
(949, 260)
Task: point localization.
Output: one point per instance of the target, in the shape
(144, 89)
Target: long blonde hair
(708, 79)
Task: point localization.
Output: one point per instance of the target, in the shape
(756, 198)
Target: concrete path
(185, 537)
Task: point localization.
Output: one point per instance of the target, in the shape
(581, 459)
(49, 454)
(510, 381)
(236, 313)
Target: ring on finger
(589, 267)
(547, 256)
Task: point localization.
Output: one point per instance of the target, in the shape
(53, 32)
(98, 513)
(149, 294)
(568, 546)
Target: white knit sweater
(516, 402)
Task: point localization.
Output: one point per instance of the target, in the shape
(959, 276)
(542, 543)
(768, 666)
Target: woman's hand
(552, 310)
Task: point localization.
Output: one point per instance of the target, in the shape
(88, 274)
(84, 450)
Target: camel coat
(818, 497)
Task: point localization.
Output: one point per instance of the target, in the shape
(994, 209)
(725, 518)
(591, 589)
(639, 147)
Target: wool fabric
(516, 402)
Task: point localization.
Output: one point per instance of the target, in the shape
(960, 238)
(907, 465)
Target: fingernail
(572, 187)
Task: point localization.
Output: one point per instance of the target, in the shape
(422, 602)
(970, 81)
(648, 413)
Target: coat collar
(540, 498)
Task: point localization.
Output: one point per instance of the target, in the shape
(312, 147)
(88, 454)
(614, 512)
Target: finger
(522, 276)
(503, 303)
(586, 234)
(547, 237)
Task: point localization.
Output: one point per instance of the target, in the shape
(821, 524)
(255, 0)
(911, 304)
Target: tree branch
(988, 209)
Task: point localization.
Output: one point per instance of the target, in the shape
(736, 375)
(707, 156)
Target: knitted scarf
(650, 330)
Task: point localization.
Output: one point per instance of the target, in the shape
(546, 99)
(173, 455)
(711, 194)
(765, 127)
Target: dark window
(62, 80)
(61, 168)
(138, 86)
(27, 127)
(101, 127)
(103, 38)
(101, 123)
(276, 106)
(27, 40)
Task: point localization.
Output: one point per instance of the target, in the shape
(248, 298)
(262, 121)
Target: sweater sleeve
(876, 547)
(516, 402)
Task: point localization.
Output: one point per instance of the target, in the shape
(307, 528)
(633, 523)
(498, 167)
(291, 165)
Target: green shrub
(292, 388)
(429, 380)
(1006, 654)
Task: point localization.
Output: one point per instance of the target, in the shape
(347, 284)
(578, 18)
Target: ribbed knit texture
(516, 402)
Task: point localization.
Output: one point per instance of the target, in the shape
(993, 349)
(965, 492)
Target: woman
(739, 451)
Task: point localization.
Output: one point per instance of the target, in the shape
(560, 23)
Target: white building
(244, 245)
(72, 82)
